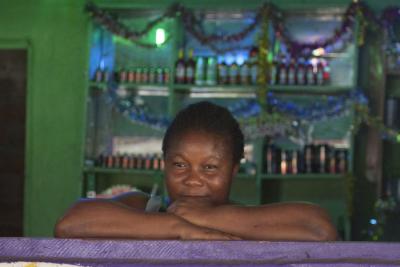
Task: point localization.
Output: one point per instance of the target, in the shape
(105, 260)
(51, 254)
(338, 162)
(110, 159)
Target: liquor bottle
(308, 159)
(331, 161)
(291, 79)
(310, 74)
(301, 72)
(244, 73)
(321, 158)
(341, 160)
(233, 73)
(190, 68)
(152, 76)
(110, 161)
(273, 73)
(270, 159)
(132, 162)
(139, 162)
(125, 161)
(121, 76)
(211, 71)
(138, 75)
(320, 74)
(98, 76)
(131, 76)
(282, 72)
(159, 76)
(147, 162)
(222, 73)
(180, 68)
(283, 163)
(155, 162)
(253, 60)
(200, 71)
(145, 75)
(165, 76)
(294, 162)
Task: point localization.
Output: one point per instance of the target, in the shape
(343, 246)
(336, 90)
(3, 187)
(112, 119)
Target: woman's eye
(179, 164)
(210, 167)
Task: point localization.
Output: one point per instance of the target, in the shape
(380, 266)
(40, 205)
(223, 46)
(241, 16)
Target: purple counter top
(198, 253)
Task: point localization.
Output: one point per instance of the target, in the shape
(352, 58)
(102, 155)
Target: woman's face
(199, 164)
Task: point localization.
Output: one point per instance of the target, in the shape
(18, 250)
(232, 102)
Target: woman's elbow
(65, 225)
(323, 228)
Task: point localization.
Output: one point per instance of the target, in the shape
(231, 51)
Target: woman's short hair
(211, 118)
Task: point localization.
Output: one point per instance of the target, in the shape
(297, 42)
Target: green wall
(56, 34)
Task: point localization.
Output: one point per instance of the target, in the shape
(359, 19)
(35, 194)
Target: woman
(202, 150)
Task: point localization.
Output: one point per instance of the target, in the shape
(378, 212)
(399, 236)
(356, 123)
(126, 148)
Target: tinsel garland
(357, 10)
(256, 123)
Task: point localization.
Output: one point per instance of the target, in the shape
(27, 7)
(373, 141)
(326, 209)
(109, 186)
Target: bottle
(165, 76)
(152, 76)
(283, 163)
(253, 60)
(145, 75)
(291, 73)
(98, 76)
(244, 72)
(308, 159)
(222, 73)
(320, 74)
(121, 76)
(211, 71)
(131, 76)
(294, 161)
(273, 72)
(190, 68)
(159, 76)
(269, 159)
(138, 75)
(233, 73)
(180, 68)
(200, 71)
(282, 73)
(310, 74)
(301, 72)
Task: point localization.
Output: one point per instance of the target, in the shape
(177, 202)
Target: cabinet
(113, 128)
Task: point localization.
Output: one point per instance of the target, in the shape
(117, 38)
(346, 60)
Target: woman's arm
(112, 219)
(283, 221)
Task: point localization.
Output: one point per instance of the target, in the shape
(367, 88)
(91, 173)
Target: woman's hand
(192, 209)
(189, 231)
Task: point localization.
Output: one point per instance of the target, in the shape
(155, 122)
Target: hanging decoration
(356, 10)
(264, 65)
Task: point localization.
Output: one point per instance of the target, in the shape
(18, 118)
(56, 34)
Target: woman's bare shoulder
(137, 200)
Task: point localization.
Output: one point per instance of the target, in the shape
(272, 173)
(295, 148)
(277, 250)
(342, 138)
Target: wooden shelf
(252, 89)
(302, 176)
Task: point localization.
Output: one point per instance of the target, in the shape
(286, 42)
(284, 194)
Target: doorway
(13, 84)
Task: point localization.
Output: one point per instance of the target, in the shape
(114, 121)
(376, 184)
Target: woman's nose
(193, 179)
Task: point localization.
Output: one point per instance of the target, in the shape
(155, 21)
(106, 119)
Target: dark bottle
(222, 73)
(99, 75)
(308, 159)
(131, 76)
(253, 61)
(341, 160)
(244, 73)
(269, 159)
(233, 74)
(165, 76)
(321, 158)
(180, 68)
(190, 68)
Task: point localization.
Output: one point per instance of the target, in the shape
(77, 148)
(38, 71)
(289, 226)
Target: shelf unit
(246, 188)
